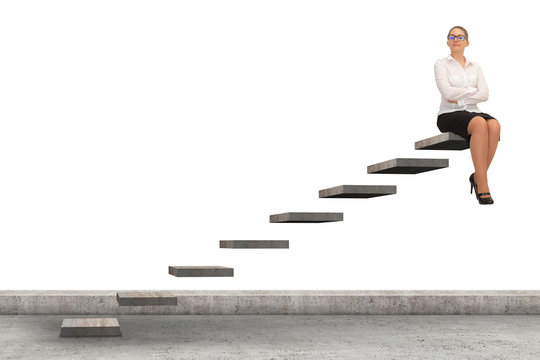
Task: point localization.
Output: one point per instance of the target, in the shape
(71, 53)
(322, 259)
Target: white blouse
(465, 85)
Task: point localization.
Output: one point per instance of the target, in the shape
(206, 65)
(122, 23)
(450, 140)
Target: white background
(135, 135)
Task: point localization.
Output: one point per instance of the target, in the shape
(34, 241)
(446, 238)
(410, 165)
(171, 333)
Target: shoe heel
(471, 180)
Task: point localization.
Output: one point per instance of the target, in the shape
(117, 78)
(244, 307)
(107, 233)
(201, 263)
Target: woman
(462, 86)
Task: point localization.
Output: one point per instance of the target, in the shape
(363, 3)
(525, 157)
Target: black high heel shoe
(481, 200)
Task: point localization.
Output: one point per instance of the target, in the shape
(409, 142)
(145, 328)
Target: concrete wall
(280, 302)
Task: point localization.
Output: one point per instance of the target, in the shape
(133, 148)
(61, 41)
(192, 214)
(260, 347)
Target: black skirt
(457, 122)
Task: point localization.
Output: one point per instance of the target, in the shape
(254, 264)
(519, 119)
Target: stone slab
(358, 191)
(444, 141)
(407, 166)
(146, 298)
(201, 271)
(306, 217)
(90, 327)
(279, 302)
(254, 244)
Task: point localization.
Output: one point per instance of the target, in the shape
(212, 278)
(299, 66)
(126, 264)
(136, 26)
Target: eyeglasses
(457, 37)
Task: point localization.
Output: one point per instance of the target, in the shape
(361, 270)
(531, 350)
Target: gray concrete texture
(279, 302)
(280, 337)
(407, 166)
(254, 244)
(358, 191)
(306, 217)
(444, 141)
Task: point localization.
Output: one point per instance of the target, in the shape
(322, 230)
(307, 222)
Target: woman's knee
(477, 125)
(494, 127)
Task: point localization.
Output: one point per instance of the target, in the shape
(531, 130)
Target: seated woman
(462, 86)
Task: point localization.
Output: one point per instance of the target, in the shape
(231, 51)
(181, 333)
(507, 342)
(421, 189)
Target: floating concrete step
(201, 271)
(146, 298)
(445, 141)
(358, 191)
(407, 166)
(254, 244)
(306, 217)
(90, 327)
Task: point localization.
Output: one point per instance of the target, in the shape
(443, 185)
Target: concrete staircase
(110, 326)
(445, 141)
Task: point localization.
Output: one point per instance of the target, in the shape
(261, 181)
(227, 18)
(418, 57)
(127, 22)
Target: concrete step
(407, 166)
(444, 141)
(306, 217)
(90, 327)
(201, 271)
(146, 298)
(254, 244)
(358, 191)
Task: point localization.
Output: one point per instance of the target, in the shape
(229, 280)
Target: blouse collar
(467, 62)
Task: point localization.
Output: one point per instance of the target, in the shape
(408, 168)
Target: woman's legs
(483, 144)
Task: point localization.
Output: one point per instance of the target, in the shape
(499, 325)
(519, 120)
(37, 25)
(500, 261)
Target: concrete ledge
(275, 302)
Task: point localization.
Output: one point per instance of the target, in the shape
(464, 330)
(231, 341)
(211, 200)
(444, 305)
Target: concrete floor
(280, 337)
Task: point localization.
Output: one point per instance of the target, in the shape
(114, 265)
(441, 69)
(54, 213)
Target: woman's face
(456, 44)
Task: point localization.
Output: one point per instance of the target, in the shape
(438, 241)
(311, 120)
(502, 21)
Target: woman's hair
(461, 28)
